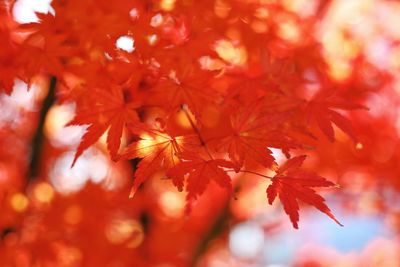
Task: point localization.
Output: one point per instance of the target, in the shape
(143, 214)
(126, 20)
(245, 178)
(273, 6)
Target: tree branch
(215, 230)
(38, 138)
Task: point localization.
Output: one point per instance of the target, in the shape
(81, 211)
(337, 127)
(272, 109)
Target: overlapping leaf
(251, 136)
(199, 173)
(157, 150)
(185, 86)
(104, 109)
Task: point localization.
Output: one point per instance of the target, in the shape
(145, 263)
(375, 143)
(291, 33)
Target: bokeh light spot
(19, 202)
(43, 192)
(73, 214)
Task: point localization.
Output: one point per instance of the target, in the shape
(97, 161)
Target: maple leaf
(291, 184)
(46, 47)
(104, 109)
(39, 54)
(251, 136)
(46, 25)
(200, 172)
(157, 150)
(185, 85)
(8, 70)
(322, 110)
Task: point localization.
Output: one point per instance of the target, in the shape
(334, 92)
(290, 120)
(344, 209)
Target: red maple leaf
(104, 109)
(199, 173)
(321, 109)
(251, 136)
(291, 184)
(186, 85)
(46, 48)
(8, 70)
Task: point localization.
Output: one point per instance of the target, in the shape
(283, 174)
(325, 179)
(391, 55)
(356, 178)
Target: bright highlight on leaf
(157, 150)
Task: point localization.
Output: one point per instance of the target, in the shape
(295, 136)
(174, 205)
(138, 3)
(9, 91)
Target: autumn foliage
(197, 94)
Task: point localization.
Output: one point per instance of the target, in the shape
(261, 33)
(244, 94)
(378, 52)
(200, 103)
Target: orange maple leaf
(157, 150)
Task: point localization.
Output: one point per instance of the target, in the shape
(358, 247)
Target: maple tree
(200, 94)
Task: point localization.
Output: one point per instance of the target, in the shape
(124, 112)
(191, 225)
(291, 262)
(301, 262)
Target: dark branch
(38, 138)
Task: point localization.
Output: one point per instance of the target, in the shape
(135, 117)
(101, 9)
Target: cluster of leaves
(204, 92)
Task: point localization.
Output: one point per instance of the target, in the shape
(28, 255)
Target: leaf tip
(74, 160)
(132, 192)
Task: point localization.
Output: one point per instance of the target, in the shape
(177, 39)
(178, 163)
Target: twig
(197, 131)
(252, 172)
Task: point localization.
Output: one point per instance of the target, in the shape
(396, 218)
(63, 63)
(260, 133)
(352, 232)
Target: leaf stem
(252, 172)
(196, 130)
